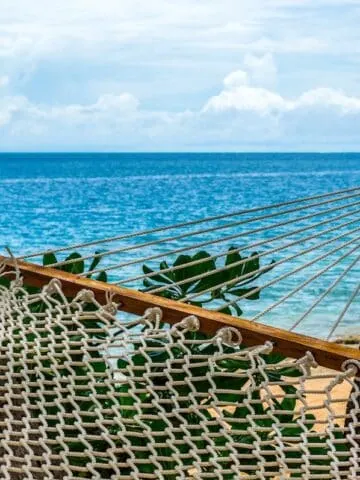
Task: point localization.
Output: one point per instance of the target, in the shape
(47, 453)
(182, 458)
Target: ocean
(51, 200)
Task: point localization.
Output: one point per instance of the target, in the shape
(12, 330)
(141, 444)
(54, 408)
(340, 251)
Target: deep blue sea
(50, 200)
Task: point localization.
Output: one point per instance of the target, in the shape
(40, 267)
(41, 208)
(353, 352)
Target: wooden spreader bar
(326, 354)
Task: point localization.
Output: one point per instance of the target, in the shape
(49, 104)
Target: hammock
(98, 381)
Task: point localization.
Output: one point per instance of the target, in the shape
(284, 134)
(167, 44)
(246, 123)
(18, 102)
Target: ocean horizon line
(175, 152)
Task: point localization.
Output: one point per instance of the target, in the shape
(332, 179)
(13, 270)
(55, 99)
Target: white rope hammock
(88, 391)
(313, 244)
(87, 395)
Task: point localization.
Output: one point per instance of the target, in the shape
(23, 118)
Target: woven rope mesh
(87, 394)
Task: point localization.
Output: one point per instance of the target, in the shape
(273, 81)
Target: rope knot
(86, 296)
(111, 307)
(54, 286)
(154, 315)
(352, 367)
(17, 283)
(190, 323)
(307, 362)
(229, 336)
(268, 347)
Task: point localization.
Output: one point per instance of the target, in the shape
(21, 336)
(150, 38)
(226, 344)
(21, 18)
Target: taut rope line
(194, 222)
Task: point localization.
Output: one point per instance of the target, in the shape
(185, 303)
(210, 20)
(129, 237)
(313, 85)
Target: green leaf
(266, 421)
(226, 310)
(257, 406)
(293, 431)
(96, 260)
(148, 283)
(232, 388)
(288, 389)
(74, 267)
(122, 364)
(242, 412)
(139, 360)
(287, 404)
(102, 277)
(309, 417)
(49, 259)
(182, 273)
(160, 278)
(211, 280)
(5, 282)
(99, 367)
(290, 372)
(233, 256)
(269, 267)
(231, 364)
(237, 309)
(207, 264)
(273, 358)
(252, 265)
(125, 400)
(164, 266)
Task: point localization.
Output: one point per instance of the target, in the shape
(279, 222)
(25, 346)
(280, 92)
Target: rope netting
(88, 393)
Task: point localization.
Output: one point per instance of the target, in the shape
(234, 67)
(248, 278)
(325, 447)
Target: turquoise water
(50, 200)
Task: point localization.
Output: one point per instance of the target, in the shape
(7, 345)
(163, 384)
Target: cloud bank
(245, 113)
(169, 75)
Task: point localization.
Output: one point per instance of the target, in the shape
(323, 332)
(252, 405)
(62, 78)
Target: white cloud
(246, 98)
(241, 115)
(140, 74)
(241, 93)
(328, 97)
(84, 23)
(90, 26)
(262, 69)
(106, 105)
(14, 45)
(4, 81)
(174, 50)
(10, 106)
(243, 89)
(236, 79)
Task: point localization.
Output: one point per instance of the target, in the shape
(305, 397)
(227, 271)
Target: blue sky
(179, 75)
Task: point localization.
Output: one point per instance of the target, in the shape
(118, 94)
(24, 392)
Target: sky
(189, 75)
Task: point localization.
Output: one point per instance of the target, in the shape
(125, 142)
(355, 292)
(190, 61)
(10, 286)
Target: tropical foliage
(220, 283)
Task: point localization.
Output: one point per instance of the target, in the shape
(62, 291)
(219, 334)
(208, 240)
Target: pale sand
(339, 396)
(316, 396)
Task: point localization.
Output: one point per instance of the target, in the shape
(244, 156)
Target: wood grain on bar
(327, 354)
